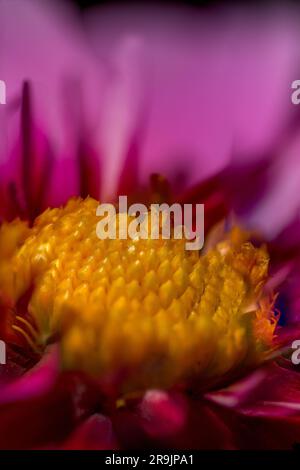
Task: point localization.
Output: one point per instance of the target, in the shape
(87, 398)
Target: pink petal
(50, 53)
(214, 85)
(170, 420)
(33, 383)
(42, 408)
(162, 413)
(263, 410)
(95, 433)
(273, 391)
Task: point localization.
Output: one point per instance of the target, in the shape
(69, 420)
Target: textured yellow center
(140, 313)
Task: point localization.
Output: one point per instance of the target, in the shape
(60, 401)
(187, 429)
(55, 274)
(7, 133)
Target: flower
(147, 310)
(141, 343)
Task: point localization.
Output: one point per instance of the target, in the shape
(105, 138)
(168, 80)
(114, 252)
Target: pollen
(136, 313)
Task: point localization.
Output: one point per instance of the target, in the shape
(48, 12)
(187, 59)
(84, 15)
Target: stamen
(33, 332)
(27, 338)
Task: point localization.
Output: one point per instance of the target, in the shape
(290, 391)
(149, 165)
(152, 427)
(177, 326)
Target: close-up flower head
(149, 226)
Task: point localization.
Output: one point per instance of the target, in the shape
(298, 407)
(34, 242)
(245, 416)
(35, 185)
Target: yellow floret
(146, 313)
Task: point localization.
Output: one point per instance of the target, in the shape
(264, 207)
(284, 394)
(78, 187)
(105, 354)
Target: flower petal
(271, 391)
(95, 433)
(160, 59)
(50, 52)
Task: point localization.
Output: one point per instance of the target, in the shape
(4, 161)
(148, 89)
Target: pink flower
(96, 105)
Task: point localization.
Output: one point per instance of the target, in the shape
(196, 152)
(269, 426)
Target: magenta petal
(50, 53)
(271, 391)
(95, 433)
(280, 205)
(263, 410)
(33, 383)
(26, 175)
(194, 72)
(260, 432)
(170, 420)
(42, 408)
(162, 413)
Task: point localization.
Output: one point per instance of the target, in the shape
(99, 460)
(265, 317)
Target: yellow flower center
(140, 313)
